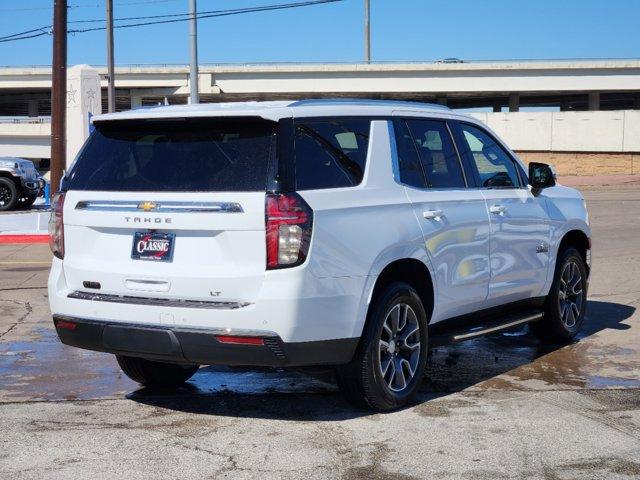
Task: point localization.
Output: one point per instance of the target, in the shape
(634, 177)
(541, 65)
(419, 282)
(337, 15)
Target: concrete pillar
(136, 101)
(83, 102)
(594, 101)
(32, 108)
(514, 102)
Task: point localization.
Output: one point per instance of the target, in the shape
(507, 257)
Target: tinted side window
(438, 156)
(409, 166)
(330, 153)
(493, 165)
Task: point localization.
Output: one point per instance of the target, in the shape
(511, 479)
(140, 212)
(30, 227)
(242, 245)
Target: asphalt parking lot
(499, 407)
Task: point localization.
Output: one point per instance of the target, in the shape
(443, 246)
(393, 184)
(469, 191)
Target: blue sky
(411, 30)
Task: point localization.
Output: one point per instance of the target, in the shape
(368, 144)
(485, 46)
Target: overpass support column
(32, 108)
(514, 102)
(136, 101)
(594, 101)
(83, 101)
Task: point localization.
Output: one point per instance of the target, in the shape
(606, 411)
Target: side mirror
(541, 176)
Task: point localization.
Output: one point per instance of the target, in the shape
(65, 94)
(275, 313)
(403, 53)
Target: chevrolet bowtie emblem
(147, 206)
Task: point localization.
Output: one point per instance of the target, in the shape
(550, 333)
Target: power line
(48, 27)
(200, 15)
(44, 30)
(170, 15)
(88, 5)
(38, 32)
(120, 4)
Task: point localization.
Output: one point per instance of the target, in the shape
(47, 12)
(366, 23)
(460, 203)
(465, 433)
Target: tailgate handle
(146, 285)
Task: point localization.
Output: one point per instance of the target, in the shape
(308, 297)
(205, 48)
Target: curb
(23, 238)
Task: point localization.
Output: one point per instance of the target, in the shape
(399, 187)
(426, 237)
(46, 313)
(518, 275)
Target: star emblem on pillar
(91, 98)
(71, 96)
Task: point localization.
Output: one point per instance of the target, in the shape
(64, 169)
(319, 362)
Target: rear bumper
(199, 346)
(295, 305)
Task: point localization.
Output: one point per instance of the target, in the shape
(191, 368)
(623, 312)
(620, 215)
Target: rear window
(176, 155)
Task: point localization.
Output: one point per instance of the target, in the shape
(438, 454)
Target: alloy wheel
(399, 347)
(5, 195)
(570, 296)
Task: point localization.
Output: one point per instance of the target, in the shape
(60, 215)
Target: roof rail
(367, 102)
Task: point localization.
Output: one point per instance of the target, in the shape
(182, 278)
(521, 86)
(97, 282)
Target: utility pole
(367, 32)
(58, 94)
(111, 86)
(193, 50)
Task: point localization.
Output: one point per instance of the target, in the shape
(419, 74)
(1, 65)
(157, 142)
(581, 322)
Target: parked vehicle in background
(20, 183)
(450, 60)
(353, 235)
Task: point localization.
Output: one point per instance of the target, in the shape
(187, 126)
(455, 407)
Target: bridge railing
(23, 119)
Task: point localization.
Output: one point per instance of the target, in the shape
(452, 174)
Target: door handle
(498, 209)
(433, 214)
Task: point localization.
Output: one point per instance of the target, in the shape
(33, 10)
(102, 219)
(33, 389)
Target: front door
(520, 228)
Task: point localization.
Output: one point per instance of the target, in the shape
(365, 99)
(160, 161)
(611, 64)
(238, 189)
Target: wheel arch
(404, 269)
(407, 269)
(411, 271)
(579, 240)
(13, 178)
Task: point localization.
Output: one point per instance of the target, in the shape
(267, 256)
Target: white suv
(341, 233)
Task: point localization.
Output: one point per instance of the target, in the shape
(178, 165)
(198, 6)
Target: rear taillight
(65, 325)
(56, 227)
(288, 222)
(229, 339)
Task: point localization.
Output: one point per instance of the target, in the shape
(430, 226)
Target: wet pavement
(504, 406)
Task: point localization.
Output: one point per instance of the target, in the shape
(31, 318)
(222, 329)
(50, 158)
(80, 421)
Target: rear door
(453, 218)
(170, 209)
(520, 228)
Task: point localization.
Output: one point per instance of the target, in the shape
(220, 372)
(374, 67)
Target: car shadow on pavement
(504, 361)
(516, 360)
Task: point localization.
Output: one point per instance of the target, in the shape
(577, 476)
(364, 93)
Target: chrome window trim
(160, 207)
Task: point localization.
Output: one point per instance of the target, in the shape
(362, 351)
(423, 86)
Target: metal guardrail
(25, 120)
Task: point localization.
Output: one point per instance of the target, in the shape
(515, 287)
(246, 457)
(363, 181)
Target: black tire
(155, 374)
(26, 201)
(561, 323)
(362, 381)
(8, 194)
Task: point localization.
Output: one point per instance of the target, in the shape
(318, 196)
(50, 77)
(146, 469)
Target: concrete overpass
(567, 85)
(572, 93)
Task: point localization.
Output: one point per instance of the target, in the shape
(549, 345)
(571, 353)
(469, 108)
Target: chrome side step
(444, 336)
(497, 328)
